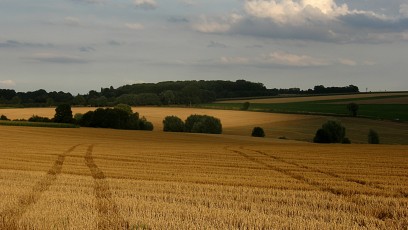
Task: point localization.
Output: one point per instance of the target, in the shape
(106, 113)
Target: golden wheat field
(113, 179)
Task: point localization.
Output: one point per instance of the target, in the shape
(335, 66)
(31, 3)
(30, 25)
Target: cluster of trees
(331, 132)
(162, 93)
(38, 98)
(119, 117)
(193, 124)
(335, 132)
(319, 89)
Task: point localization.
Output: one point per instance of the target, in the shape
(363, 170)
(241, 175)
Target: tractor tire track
(337, 192)
(9, 218)
(109, 216)
(311, 169)
(288, 173)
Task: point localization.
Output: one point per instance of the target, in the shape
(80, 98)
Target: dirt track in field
(10, 217)
(109, 216)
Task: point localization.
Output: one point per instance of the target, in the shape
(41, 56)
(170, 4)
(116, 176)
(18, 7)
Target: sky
(81, 45)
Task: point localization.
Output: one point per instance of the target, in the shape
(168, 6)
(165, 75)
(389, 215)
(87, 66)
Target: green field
(37, 124)
(395, 112)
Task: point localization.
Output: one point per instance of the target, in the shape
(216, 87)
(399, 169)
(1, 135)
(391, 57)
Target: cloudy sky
(79, 45)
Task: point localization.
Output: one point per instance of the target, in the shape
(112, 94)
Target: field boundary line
(109, 216)
(9, 218)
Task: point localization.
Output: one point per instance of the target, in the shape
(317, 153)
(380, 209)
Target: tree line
(162, 93)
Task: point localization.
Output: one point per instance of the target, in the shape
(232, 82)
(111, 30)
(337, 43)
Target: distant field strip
(109, 216)
(10, 217)
(316, 98)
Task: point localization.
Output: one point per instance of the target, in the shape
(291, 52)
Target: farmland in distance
(288, 126)
(98, 178)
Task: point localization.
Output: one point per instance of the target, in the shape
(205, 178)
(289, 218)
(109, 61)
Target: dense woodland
(162, 93)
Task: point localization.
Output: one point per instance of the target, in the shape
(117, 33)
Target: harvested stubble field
(112, 179)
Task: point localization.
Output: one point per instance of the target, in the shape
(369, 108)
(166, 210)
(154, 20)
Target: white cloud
(146, 4)
(234, 60)
(209, 25)
(72, 21)
(7, 83)
(188, 2)
(134, 26)
(349, 62)
(317, 20)
(294, 12)
(404, 9)
(216, 25)
(56, 58)
(295, 60)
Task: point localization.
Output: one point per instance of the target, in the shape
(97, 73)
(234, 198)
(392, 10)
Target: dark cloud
(146, 4)
(86, 49)
(374, 23)
(178, 20)
(266, 28)
(89, 1)
(18, 44)
(57, 58)
(114, 43)
(214, 44)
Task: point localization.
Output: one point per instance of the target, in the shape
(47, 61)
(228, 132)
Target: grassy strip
(355, 99)
(38, 124)
(387, 111)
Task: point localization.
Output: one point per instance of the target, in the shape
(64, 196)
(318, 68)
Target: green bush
(145, 125)
(346, 141)
(78, 117)
(258, 132)
(36, 118)
(352, 108)
(331, 132)
(4, 118)
(373, 137)
(245, 106)
(203, 124)
(173, 124)
(124, 107)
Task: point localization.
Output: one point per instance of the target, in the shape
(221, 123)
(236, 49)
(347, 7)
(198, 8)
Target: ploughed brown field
(113, 179)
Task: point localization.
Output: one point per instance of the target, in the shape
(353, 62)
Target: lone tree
(63, 114)
(331, 132)
(258, 132)
(352, 108)
(373, 137)
(246, 105)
